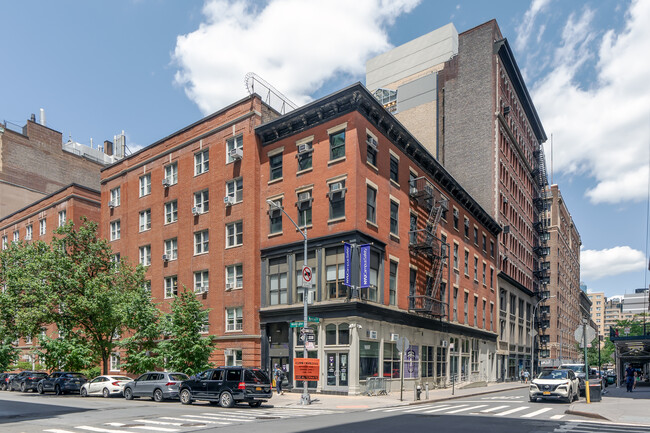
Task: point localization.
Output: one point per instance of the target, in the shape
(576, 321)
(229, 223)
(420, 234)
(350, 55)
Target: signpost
(402, 344)
(584, 335)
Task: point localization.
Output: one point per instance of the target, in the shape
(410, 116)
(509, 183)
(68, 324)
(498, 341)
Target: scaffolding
(425, 243)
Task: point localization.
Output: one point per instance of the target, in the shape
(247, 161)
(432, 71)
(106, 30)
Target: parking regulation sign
(306, 277)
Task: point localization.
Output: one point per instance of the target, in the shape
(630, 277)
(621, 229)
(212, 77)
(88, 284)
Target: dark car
(26, 381)
(227, 386)
(158, 385)
(4, 380)
(61, 382)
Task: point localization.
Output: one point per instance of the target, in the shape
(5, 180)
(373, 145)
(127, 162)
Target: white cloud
(295, 45)
(525, 29)
(602, 130)
(595, 264)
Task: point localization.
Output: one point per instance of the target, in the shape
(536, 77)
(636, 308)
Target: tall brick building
(464, 97)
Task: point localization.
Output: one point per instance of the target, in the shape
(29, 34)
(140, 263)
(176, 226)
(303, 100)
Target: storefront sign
(305, 369)
(411, 361)
(365, 265)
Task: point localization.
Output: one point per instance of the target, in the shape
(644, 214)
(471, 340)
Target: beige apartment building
(597, 311)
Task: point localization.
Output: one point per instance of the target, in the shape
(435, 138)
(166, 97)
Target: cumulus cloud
(595, 264)
(295, 45)
(603, 130)
(525, 29)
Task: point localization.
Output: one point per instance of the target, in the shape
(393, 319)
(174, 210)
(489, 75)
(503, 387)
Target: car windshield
(178, 376)
(256, 376)
(121, 378)
(553, 374)
(39, 374)
(576, 368)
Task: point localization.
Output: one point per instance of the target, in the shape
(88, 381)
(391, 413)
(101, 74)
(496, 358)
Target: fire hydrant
(418, 391)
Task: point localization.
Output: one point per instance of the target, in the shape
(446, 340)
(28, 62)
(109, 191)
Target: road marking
(150, 421)
(508, 412)
(197, 420)
(420, 408)
(100, 430)
(225, 418)
(467, 408)
(160, 429)
(492, 409)
(557, 416)
(445, 407)
(54, 430)
(537, 412)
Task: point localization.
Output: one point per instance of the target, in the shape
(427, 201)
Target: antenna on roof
(271, 95)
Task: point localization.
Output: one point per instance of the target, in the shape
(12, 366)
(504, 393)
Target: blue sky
(151, 67)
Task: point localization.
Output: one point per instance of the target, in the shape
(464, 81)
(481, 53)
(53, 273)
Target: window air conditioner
(230, 286)
(456, 213)
(28, 237)
(166, 182)
(227, 352)
(228, 200)
(112, 203)
(165, 258)
(237, 153)
(304, 148)
(444, 343)
(337, 191)
(371, 334)
(372, 143)
(394, 337)
(205, 287)
(196, 210)
(304, 200)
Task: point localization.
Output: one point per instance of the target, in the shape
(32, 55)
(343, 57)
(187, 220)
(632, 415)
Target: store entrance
(337, 371)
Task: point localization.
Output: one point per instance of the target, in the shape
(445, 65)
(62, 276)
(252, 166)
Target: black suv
(4, 380)
(61, 382)
(26, 380)
(227, 386)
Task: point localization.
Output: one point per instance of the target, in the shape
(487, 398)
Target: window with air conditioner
(171, 173)
(145, 220)
(201, 202)
(171, 249)
(275, 217)
(171, 286)
(201, 281)
(337, 199)
(145, 185)
(235, 190)
(234, 149)
(304, 206)
(201, 162)
(305, 152)
(234, 276)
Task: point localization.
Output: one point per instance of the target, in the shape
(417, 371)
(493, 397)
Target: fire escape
(424, 243)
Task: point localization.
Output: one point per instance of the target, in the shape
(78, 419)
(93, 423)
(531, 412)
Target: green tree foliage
(185, 349)
(605, 353)
(64, 353)
(141, 347)
(8, 351)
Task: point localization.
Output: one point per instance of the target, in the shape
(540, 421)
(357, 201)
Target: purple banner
(347, 253)
(365, 265)
(411, 361)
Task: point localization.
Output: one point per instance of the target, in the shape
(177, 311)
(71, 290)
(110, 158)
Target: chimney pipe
(42, 122)
(108, 147)
(33, 117)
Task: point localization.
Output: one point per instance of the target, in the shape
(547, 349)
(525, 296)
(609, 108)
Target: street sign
(296, 324)
(626, 330)
(311, 319)
(578, 334)
(306, 277)
(402, 344)
(311, 338)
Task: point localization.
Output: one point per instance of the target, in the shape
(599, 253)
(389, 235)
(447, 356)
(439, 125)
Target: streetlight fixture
(533, 335)
(304, 399)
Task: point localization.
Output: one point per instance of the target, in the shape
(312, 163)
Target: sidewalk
(617, 405)
(328, 401)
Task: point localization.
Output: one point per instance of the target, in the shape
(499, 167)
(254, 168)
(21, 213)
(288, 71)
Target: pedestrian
(636, 379)
(629, 379)
(526, 376)
(521, 376)
(278, 375)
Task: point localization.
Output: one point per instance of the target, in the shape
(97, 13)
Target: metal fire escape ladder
(424, 241)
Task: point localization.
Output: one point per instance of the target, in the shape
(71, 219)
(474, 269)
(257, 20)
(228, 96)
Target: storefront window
(441, 361)
(332, 331)
(330, 335)
(368, 359)
(391, 360)
(344, 334)
(428, 361)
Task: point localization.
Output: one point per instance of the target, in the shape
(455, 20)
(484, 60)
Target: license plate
(546, 393)
(258, 388)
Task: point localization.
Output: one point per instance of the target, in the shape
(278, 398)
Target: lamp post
(533, 334)
(304, 399)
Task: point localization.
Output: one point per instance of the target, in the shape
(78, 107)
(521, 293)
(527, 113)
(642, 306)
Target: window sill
(172, 222)
(395, 184)
(199, 174)
(145, 195)
(201, 253)
(233, 246)
(145, 230)
(232, 331)
(335, 161)
(394, 237)
(273, 235)
(370, 223)
(271, 182)
(309, 226)
(374, 167)
(335, 220)
(307, 170)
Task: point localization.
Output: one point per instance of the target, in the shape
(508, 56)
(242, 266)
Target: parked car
(104, 386)
(579, 370)
(227, 386)
(4, 380)
(61, 382)
(561, 384)
(157, 385)
(26, 380)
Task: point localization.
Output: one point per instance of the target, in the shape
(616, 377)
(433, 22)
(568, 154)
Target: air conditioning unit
(112, 203)
(165, 258)
(28, 237)
(371, 334)
(227, 352)
(506, 110)
(304, 148)
(456, 213)
(337, 191)
(228, 200)
(304, 200)
(372, 143)
(166, 182)
(394, 337)
(237, 153)
(444, 343)
(505, 199)
(230, 286)
(336, 186)
(196, 210)
(201, 288)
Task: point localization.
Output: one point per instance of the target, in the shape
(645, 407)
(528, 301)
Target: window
(305, 153)
(371, 206)
(171, 249)
(234, 148)
(368, 359)
(337, 199)
(441, 361)
(391, 361)
(466, 262)
(145, 185)
(475, 268)
(205, 327)
(201, 242)
(115, 196)
(234, 234)
(304, 208)
(337, 334)
(234, 357)
(491, 277)
(171, 212)
(335, 272)
(443, 248)
(475, 236)
(491, 248)
(413, 278)
(413, 228)
(371, 148)
(62, 217)
(42, 227)
(337, 145)
(171, 173)
(275, 165)
(171, 286)
(491, 314)
(392, 283)
(115, 362)
(145, 220)
(201, 162)
(147, 286)
(115, 230)
(234, 276)
(235, 189)
(484, 272)
(475, 311)
(394, 168)
(28, 232)
(278, 271)
(234, 319)
(466, 228)
(275, 217)
(455, 309)
(299, 263)
(465, 306)
(5, 242)
(145, 255)
(202, 201)
(484, 243)
(16, 236)
(455, 256)
(394, 218)
(455, 212)
(428, 361)
(201, 281)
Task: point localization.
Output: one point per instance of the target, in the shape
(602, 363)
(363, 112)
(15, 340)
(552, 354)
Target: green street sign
(296, 324)
(313, 319)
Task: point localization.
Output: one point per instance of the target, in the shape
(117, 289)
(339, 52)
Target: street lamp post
(533, 335)
(304, 399)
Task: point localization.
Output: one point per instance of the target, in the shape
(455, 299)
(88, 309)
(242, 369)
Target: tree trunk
(105, 364)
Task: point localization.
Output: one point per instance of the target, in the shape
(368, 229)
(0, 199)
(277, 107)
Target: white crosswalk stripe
(99, 429)
(418, 409)
(467, 408)
(443, 408)
(218, 418)
(492, 409)
(508, 412)
(196, 420)
(560, 416)
(537, 412)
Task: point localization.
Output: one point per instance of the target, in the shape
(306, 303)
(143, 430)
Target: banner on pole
(365, 265)
(347, 252)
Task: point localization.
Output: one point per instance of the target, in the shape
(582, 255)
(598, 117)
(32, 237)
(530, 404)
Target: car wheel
(186, 396)
(128, 393)
(575, 396)
(23, 387)
(57, 390)
(39, 388)
(532, 399)
(106, 393)
(3, 387)
(226, 400)
(83, 392)
(255, 403)
(158, 396)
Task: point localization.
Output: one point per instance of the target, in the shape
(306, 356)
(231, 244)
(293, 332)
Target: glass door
(337, 371)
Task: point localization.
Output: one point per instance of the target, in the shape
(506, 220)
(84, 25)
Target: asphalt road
(508, 411)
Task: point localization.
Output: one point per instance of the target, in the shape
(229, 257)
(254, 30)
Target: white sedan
(561, 384)
(105, 386)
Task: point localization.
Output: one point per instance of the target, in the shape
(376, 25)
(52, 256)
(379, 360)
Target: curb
(586, 414)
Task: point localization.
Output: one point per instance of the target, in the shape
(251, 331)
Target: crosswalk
(188, 422)
(600, 427)
(487, 406)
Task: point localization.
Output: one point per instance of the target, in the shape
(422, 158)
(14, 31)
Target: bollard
(426, 389)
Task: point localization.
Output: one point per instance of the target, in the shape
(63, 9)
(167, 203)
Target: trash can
(595, 391)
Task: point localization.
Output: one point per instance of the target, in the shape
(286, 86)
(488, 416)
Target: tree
(605, 353)
(141, 347)
(8, 351)
(64, 353)
(186, 350)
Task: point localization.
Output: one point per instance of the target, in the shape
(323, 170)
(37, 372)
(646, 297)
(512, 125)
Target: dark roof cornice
(357, 98)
